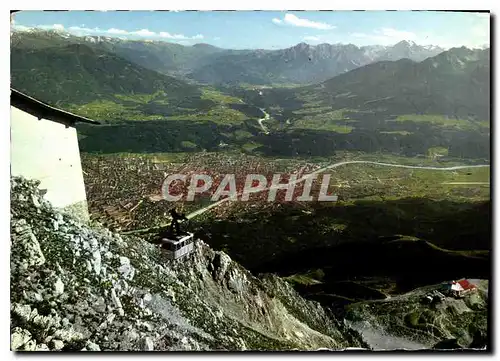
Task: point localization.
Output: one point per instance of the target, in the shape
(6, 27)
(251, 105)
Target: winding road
(266, 117)
(320, 170)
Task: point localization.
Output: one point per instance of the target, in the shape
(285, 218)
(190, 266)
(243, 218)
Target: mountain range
(403, 106)
(454, 83)
(303, 63)
(204, 63)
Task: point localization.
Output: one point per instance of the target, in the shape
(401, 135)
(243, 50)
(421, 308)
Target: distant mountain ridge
(300, 64)
(304, 63)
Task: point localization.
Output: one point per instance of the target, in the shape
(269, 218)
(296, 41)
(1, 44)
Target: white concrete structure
(44, 146)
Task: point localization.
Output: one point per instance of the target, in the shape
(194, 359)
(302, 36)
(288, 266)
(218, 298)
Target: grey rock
(148, 344)
(35, 201)
(18, 338)
(90, 346)
(23, 311)
(117, 302)
(29, 346)
(58, 287)
(42, 347)
(100, 305)
(126, 269)
(57, 345)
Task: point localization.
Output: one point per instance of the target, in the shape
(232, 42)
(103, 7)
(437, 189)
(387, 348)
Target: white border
(258, 5)
(185, 5)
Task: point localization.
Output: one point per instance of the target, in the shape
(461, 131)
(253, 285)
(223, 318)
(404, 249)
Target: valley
(406, 107)
(377, 203)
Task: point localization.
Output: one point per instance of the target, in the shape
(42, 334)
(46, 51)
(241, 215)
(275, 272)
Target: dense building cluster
(127, 192)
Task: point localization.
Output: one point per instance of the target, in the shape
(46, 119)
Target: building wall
(48, 151)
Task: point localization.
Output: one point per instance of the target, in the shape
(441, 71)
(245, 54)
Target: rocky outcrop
(409, 321)
(77, 287)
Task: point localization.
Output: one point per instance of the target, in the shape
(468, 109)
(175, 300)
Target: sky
(268, 29)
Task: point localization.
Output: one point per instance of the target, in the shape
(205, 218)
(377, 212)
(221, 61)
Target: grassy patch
(332, 126)
(442, 121)
(218, 97)
(219, 114)
(483, 123)
(397, 132)
(188, 145)
(160, 97)
(111, 111)
(242, 134)
(302, 280)
(131, 107)
(271, 86)
(435, 152)
(317, 119)
(315, 109)
(249, 147)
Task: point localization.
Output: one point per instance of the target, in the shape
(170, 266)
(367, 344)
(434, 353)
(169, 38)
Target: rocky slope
(74, 287)
(408, 321)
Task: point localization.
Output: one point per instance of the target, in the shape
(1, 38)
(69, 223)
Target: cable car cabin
(177, 247)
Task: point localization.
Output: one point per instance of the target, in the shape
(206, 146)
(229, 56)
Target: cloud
(117, 31)
(313, 39)
(82, 30)
(144, 33)
(171, 36)
(167, 35)
(20, 28)
(56, 27)
(293, 20)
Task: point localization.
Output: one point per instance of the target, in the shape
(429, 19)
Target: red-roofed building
(466, 285)
(461, 288)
